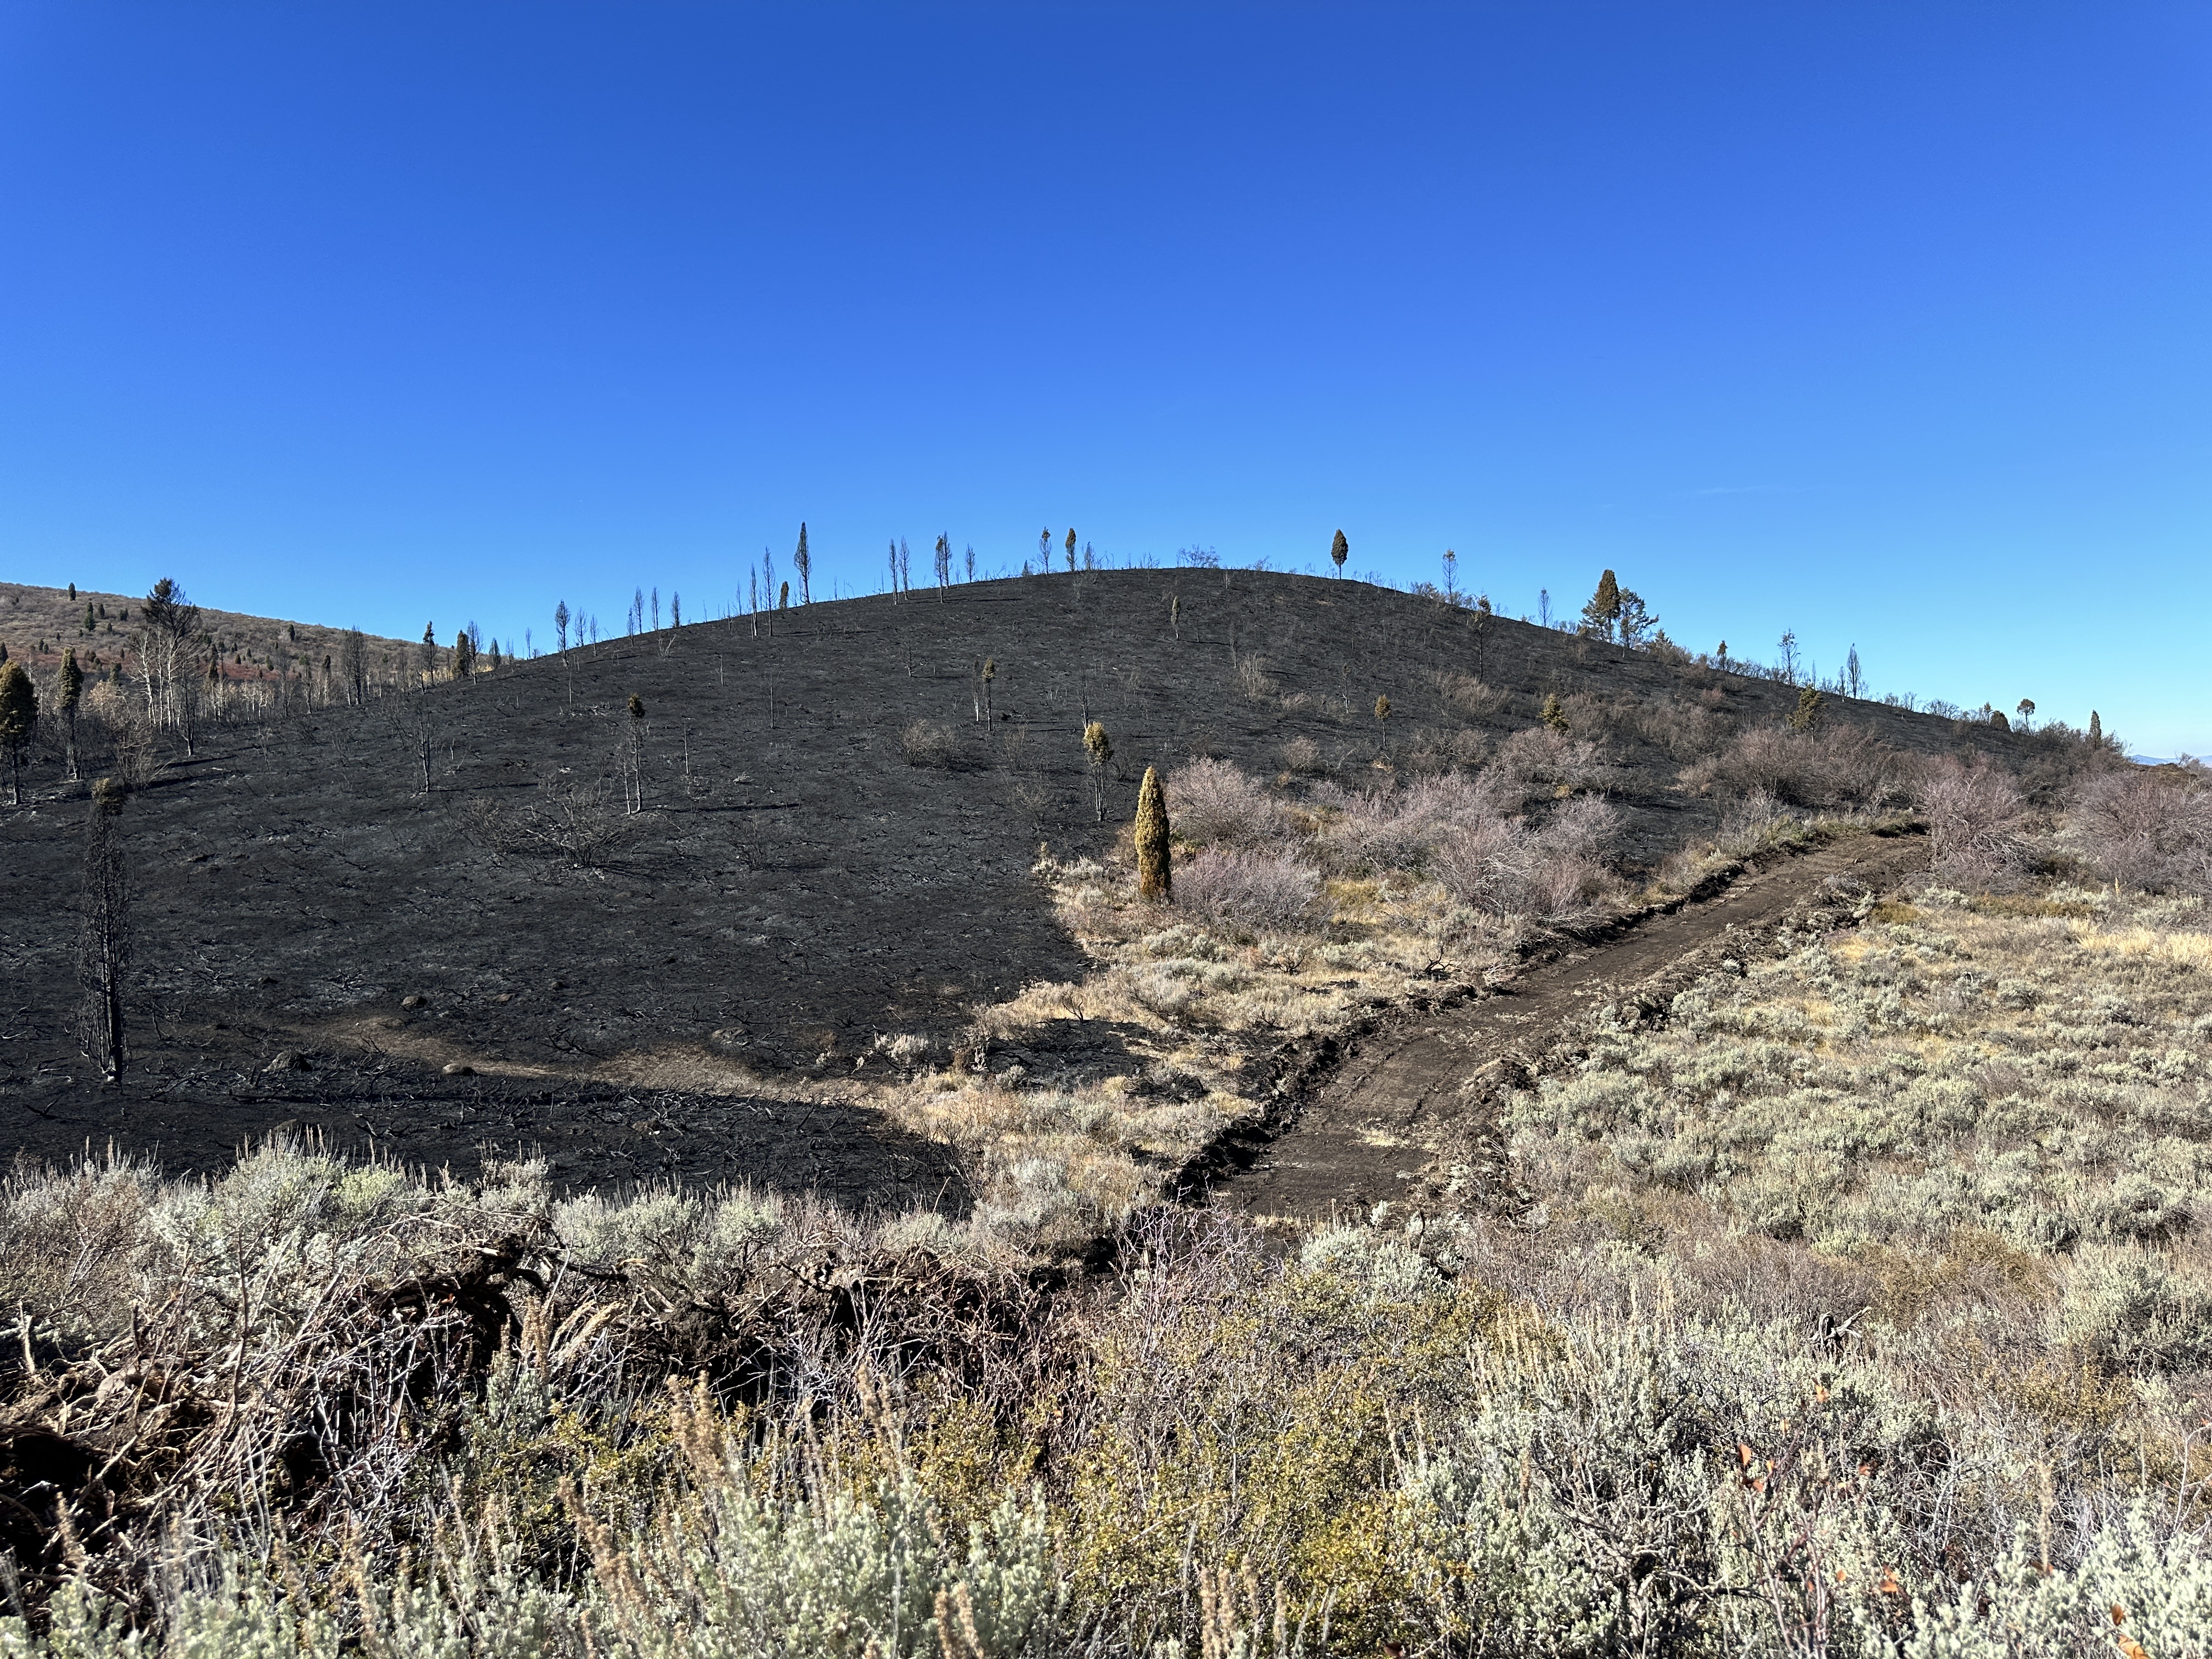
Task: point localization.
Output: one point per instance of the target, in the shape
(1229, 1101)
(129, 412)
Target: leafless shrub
(1468, 695)
(1544, 761)
(1506, 867)
(1975, 818)
(1836, 767)
(572, 817)
(1303, 756)
(1240, 887)
(1214, 803)
(2147, 829)
(926, 743)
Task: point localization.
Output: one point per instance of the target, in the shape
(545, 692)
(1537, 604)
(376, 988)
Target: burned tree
(19, 718)
(104, 946)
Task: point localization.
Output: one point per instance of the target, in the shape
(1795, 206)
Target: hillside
(1680, 1183)
(37, 624)
(834, 852)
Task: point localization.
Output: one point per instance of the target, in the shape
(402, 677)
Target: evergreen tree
(1806, 715)
(72, 690)
(1071, 549)
(19, 718)
(1338, 551)
(1155, 877)
(430, 651)
(1554, 713)
(2096, 730)
(803, 562)
(1603, 609)
(465, 655)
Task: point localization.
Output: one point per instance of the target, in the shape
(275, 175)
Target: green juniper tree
(1806, 715)
(1155, 878)
(803, 562)
(1553, 713)
(1603, 611)
(1339, 551)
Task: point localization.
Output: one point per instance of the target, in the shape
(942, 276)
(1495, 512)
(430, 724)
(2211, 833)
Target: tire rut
(1401, 1099)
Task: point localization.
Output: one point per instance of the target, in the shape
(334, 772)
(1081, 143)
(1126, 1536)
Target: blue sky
(1888, 323)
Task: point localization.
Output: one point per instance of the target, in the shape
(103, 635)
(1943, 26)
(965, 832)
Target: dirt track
(1410, 1092)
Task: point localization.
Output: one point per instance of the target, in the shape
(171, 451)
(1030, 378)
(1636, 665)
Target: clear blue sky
(1888, 323)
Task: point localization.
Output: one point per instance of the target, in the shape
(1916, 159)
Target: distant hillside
(840, 815)
(38, 623)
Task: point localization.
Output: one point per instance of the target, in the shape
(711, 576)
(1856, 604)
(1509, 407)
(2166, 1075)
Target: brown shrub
(1975, 818)
(1240, 888)
(1217, 803)
(2147, 829)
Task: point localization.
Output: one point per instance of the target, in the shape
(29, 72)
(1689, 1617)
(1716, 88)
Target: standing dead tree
(104, 946)
(19, 718)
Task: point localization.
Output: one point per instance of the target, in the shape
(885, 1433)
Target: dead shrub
(1545, 759)
(2147, 827)
(926, 743)
(1242, 888)
(1213, 802)
(1468, 695)
(1830, 768)
(575, 818)
(1975, 819)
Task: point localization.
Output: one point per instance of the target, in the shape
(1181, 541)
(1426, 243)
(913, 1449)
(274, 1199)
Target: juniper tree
(465, 655)
(1098, 748)
(783, 597)
(1603, 609)
(104, 944)
(19, 718)
(803, 562)
(72, 690)
(1553, 713)
(2096, 730)
(1155, 877)
(1339, 551)
(1071, 549)
(1806, 715)
(2026, 710)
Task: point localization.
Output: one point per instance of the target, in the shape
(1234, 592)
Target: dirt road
(1398, 1096)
